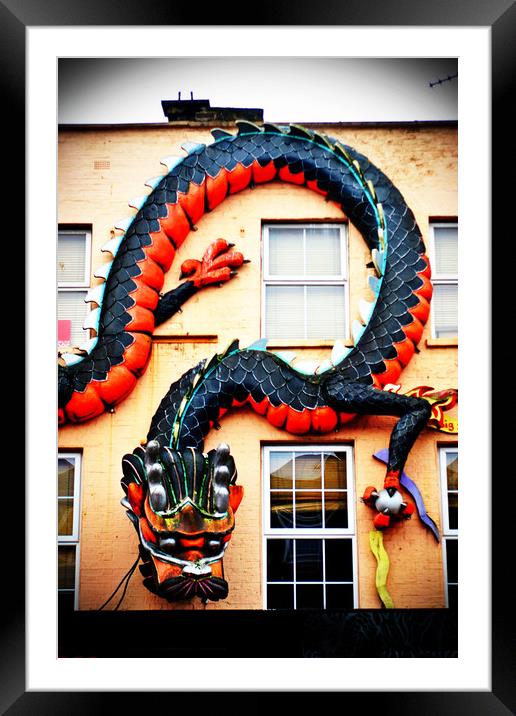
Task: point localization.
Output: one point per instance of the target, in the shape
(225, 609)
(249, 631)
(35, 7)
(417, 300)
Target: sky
(108, 90)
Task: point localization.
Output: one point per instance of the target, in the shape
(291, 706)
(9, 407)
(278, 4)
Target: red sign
(64, 332)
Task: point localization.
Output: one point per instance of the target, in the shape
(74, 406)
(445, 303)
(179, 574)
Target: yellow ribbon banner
(441, 401)
(382, 570)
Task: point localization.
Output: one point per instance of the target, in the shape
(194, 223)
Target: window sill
(442, 342)
(305, 343)
(188, 338)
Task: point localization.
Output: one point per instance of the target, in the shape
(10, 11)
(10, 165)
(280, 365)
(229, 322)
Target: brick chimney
(200, 110)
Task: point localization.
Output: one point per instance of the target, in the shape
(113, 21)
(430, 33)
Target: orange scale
(175, 225)
(421, 311)
(61, 419)
(136, 497)
(216, 189)
(286, 175)
(161, 250)
(119, 384)
(298, 423)
(324, 420)
(141, 319)
(348, 417)
(238, 403)
(193, 202)
(392, 372)
(144, 295)
(277, 415)
(151, 274)
(261, 407)
(405, 351)
(239, 178)
(83, 406)
(263, 174)
(136, 356)
(414, 330)
(426, 289)
(427, 271)
(147, 532)
(312, 184)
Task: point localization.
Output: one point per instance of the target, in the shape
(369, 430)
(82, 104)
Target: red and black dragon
(181, 501)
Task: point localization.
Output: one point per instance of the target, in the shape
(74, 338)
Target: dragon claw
(217, 266)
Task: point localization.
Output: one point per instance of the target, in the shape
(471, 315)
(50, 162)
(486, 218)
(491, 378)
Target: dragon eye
(168, 544)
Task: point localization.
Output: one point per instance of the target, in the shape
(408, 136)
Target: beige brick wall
(422, 163)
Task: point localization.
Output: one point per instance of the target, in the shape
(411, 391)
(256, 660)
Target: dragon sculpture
(181, 501)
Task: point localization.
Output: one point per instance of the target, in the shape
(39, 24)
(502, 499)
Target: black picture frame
(500, 16)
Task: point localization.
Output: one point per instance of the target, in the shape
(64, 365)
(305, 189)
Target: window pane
(309, 596)
(445, 238)
(339, 596)
(66, 601)
(282, 510)
(65, 484)
(308, 510)
(280, 560)
(453, 510)
(280, 596)
(308, 471)
(284, 312)
(65, 516)
(452, 560)
(335, 471)
(286, 251)
(452, 470)
(281, 470)
(444, 303)
(71, 257)
(323, 254)
(339, 560)
(71, 308)
(66, 567)
(336, 509)
(325, 311)
(309, 560)
(452, 596)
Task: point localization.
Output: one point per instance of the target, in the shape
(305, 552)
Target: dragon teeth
(357, 329)
(307, 367)
(378, 261)
(92, 320)
(89, 345)
(339, 352)
(220, 133)
(124, 224)
(324, 366)
(113, 244)
(103, 271)
(374, 284)
(171, 161)
(96, 294)
(71, 358)
(137, 202)
(191, 147)
(153, 182)
(365, 308)
(286, 356)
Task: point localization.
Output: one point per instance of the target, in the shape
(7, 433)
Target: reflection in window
(449, 462)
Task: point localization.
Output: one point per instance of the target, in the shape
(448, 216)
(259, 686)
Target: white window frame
(73, 540)
(449, 534)
(78, 286)
(321, 533)
(341, 279)
(440, 279)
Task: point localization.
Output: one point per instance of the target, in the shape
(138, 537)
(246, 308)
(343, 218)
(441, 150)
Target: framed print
(34, 672)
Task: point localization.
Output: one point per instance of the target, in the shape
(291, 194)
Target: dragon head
(182, 504)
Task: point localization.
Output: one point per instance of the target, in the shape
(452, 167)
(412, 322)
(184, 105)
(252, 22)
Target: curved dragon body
(129, 299)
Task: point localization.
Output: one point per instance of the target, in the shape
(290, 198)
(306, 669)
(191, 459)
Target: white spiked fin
(307, 367)
(374, 284)
(191, 147)
(381, 215)
(153, 182)
(95, 294)
(357, 329)
(365, 308)
(113, 244)
(339, 352)
(171, 161)
(286, 356)
(103, 271)
(379, 261)
(124, 224)
(138, 201)
(71, 358)
(89, 345)
(324, 366)
(92, 320)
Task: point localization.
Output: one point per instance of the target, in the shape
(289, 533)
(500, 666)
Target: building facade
(302, 532)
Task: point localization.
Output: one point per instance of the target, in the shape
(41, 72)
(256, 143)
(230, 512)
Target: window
(449, 466)
(305, 281)
(309, 525)
(73, 280)
(68, 513)
(444, 238)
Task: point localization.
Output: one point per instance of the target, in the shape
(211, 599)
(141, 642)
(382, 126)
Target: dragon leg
(363, 399)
